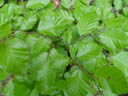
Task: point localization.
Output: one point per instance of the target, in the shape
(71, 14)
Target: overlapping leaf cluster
(73, 50)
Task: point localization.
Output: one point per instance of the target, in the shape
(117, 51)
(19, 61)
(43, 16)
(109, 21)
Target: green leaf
(9, 89)
(114, 39)
(55, 23)
(73, 50)
(105, 87)
(41, 45)
(3, 19)
(5, 30)
(14, 56)
(88, 23)
(70, 35)
(31, 39)
(1, 2)
(76, 84)
(86, 50)
(51, 51)
(37, 4)
(66, 3)
(17, 22)
(104, 9)
(117, 23)
(125, 10)
(28, 22)
(126, 2)
(37, 64)
(117, 83)
(46, 79)
(38, 44)
(90, 55)
(20, 34)
(3, 75)
(34, 93)
(21, 89)
(120, 61)
(78, 3)
(11, 10)
(58, 62)
(118, 4)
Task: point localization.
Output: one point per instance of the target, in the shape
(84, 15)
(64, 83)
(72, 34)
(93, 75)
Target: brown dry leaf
(56, 3)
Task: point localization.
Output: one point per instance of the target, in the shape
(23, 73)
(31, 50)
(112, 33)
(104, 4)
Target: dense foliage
(63, 47)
